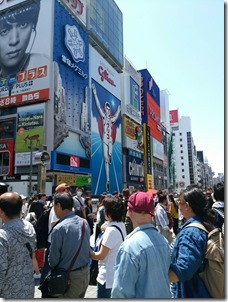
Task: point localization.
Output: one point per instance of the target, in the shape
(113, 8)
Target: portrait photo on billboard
(106, 141)
(25, 44)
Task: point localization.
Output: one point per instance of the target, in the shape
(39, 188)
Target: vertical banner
(25, 61)
(30, 133)
(106, 141)
(72, 105)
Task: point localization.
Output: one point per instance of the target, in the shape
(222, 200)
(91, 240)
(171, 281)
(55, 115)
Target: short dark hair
(11, 206)
(162, 198)
(28, 11)
(113, 208)
(219, 191)
(64, 199)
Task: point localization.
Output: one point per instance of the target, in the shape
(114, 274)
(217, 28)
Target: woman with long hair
(190, 246)
(173, 210)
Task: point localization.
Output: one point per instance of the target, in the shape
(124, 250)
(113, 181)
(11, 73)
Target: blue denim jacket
(187, 256)
(142, 264)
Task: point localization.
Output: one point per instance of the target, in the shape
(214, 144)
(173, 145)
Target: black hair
(162, 198)
(86, 200)
(198, 202)
(11, 206)
(171, 198)
(24, 12)
(113, 208)
(219, 191)
(64, 199)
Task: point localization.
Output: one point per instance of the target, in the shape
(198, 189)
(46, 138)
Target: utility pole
(30, 174)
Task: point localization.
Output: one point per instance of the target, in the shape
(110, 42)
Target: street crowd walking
(144, 245)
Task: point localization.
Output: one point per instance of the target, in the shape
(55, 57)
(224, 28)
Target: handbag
(58, 281)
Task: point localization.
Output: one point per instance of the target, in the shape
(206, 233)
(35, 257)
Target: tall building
(183, 150)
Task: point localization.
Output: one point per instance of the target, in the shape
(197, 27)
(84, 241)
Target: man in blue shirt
(143, 259)
(65, 241)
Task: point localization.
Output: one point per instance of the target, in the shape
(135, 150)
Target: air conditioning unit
(181, 184)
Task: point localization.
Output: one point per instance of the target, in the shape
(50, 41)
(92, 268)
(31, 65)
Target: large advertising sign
(147, 148)
(132, 135)
(72, 105)
(173, 117)
(134, 169)
(106, 141)
(77, 8)
(104, 73)
(30, 133)
(153, 118)
(25, 50)
(158, 149)
(6, 157)
(149, 85)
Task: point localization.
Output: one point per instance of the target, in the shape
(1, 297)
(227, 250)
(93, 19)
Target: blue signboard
(134, 169)
(149, 85)
(72, 105)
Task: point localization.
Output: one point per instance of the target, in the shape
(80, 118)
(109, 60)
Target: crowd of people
(145, 249)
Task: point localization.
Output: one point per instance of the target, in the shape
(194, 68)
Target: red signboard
(173, 116)
(153, 118)
(6, 157)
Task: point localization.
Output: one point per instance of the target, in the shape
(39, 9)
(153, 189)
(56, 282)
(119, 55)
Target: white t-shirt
(112, 239)
(52, 218)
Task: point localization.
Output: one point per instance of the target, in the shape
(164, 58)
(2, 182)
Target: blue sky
(181, 43)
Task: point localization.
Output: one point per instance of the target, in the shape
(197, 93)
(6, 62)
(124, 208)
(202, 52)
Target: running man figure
(108, 121)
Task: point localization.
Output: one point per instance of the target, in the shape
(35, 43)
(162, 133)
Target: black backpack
(41, 229)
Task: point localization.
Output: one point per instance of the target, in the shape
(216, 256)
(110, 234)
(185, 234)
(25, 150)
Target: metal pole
(30, 175)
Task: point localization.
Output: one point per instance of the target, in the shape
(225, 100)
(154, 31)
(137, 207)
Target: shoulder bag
(58, 281)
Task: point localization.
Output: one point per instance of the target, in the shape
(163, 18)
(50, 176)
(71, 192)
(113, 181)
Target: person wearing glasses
(190, 246)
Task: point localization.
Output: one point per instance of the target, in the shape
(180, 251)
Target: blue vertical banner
(72, 105)
(106, 141)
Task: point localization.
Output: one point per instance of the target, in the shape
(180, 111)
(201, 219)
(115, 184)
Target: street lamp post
(30, 174)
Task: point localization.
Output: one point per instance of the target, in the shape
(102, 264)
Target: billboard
(6, 157)
(106, 141)
(25, 60)
(72, 105)
(153, 118)
(173, 117)
(134, 169)
(158, 149)
(132, 135)
(77, 8)
(149, 85)
(105, 23)
(30, 133)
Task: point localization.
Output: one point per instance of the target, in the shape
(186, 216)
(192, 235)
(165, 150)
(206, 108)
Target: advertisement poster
(30, 133)
(135, 169)
(72, 105)
(173, 116)
(25, 50)
(106, 141)
(6, 157)
(132, 135)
